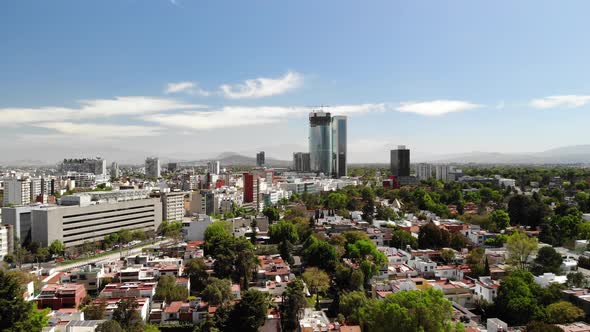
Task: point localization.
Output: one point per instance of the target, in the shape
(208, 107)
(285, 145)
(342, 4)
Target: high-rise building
(172, 167)
(320, 142)
(445, 173)
(152, 167)
(260, 160)
(96, 166)
(36, 188)
(17, 191)
(400, 161)
(115, 170)
(248, 187)
(301, 162)
(214, 167)
(172, 205)
(424, 171)
(339, 135)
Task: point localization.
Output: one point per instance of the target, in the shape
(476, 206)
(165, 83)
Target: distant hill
(578, 154)
(235, 159)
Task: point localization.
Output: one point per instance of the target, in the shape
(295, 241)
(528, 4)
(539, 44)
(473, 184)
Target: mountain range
(576, 154)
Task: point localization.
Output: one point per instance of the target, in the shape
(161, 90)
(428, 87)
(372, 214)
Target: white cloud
(436, 107)
(99, 130)
(262, 87)
(91, 109)
(226, 117)
(185, 87)
(239, 116)
(560, 101)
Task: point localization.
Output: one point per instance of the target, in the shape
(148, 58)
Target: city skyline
(403, 75)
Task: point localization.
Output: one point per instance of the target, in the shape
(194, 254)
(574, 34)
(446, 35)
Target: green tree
(196, 269)
(317, 280)
(400, 239)
(336, 201)
(577, 279)
(57, 248)
(447, 255)
(320, 254)
(125, 236)
(217, 291)
(385, 213)
(16, 314)
(500, 219)
(426, 311)
(526, 211)
(95, 310)
(537, 326)
(272, 213)
(431, 236)
(127, 316)
(217, 230)
(563, 312)
(547, 260)
(283, 231)
(351, 305)
(167, 290)
(170, 229)
(584, 231)
(109, 326)
(516, 302)
(249, 314)
(520, 247)
(292, 304)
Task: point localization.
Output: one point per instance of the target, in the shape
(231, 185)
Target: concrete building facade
(74, 225)
(17, 191)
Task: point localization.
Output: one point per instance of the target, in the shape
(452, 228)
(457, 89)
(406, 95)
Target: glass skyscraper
(320, 142)
(339, 145)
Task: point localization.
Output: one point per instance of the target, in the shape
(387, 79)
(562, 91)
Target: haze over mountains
(576, 154)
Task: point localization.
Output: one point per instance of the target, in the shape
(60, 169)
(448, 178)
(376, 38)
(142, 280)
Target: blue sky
(188, 79)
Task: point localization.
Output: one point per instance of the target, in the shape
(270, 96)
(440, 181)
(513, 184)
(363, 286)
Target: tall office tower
(152, 167)
(248, 187)
(301, 162)
(96, 166)
(320, 142)
(400, 161)
(260, 159)
(339, 145)
(423, 171)
(115, 170)
(172, 167)
(214, 167)
(17, 191)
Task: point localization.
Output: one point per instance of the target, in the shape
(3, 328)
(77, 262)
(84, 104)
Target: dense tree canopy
(409, 311)
(16, 314)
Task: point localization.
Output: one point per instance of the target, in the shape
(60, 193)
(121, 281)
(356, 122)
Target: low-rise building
(486, 289)
(60, 296)
(89, 276)
(129, 289)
